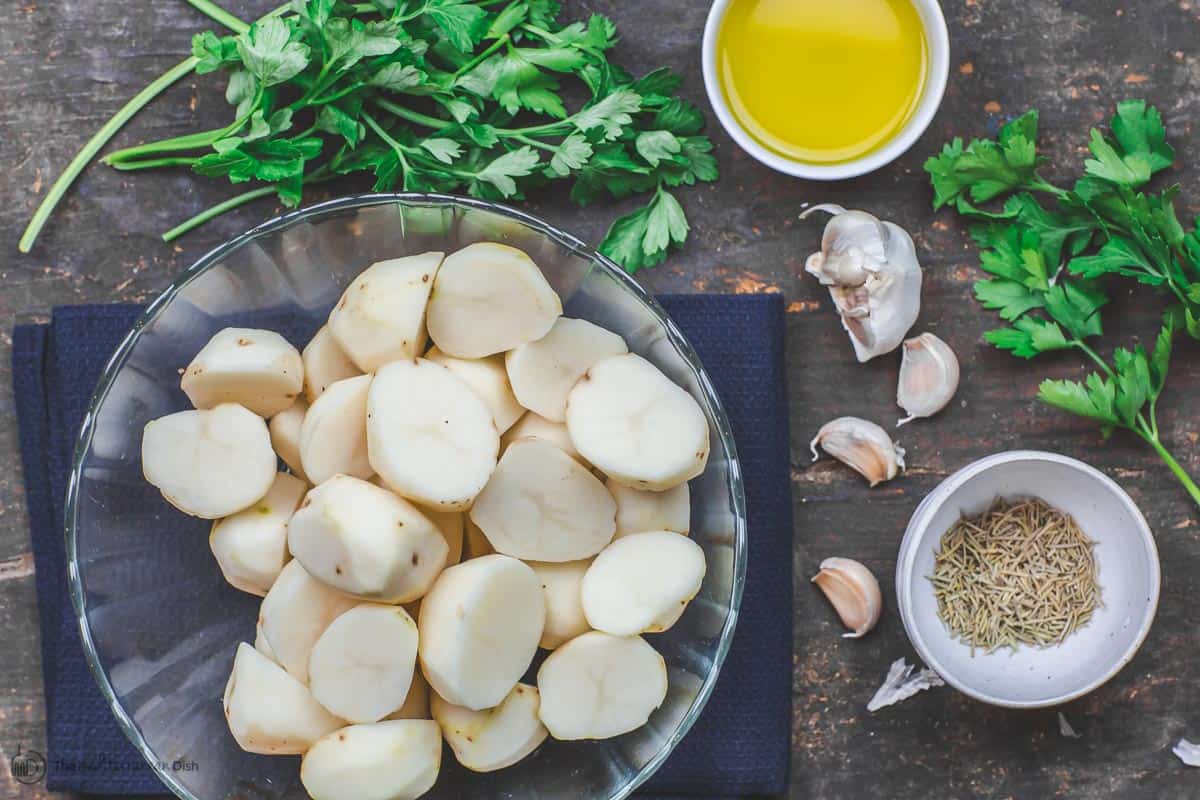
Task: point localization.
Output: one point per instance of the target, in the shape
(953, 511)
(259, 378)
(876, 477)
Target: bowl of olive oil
(825, 89)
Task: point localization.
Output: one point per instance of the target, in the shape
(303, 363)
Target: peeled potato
(285, 436)
(641, 582)
(268, 710)
(416, 702)
(487, 378)
(535, 426)
(381, 316)
(639, 510)
(392, 760)
(362, 666)
(485, 741)
(598, 685)
(479, 629)
(366, 541)
(254, 368)
(562, 586)
(261, 644)
(475, 544)
(543, 372)
(325, 364)
(636, 426)
(333, 438)
(209, 463)
(489, 298)
(428, 436)
(295, 613)
(541, 504)
(251, 546)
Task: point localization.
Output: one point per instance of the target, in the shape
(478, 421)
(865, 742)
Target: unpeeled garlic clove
(871, 269)
(861, 445)
(928, 377)
(853, 592)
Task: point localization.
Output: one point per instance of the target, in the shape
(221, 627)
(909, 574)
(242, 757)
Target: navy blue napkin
(739, 746)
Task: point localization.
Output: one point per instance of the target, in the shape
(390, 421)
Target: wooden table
(65, 66)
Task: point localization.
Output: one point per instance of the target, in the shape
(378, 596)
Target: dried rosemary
(1021, 573)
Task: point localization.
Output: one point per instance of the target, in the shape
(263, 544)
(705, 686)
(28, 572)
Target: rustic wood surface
(65, 65)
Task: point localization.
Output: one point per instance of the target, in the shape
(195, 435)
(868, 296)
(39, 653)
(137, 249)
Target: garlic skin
(853, 592)
(871, 269)
(928, 377)
(861, 445)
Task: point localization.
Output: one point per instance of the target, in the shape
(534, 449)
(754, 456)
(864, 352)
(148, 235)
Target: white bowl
(936, 36)
(1031, 677)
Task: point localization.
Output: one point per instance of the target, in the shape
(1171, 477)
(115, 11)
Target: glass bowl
(158, 622)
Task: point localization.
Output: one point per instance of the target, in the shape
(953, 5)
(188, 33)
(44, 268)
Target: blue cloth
(739, 746)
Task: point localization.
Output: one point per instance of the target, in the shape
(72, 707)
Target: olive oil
(822, 81)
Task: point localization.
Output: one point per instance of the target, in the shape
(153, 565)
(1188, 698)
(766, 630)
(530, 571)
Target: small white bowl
(936, 36)
(1031, 677)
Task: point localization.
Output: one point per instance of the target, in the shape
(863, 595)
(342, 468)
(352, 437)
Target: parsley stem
(1173, 465)
(216, 211)
(534, 143)
(219, 15)
(152, 163)
(190, 141)
(412, 116)
(484, 56)
(1083, 347)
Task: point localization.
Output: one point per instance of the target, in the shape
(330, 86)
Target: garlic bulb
(873, 276)
(861, 445)
(928, 377)
(853, 592)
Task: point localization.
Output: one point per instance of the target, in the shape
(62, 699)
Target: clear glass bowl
(160, 625)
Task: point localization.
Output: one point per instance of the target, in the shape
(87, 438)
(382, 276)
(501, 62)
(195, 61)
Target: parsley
(486, 97)
(1046, 262)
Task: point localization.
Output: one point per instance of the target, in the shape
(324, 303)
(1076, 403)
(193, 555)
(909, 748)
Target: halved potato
(428, 436)
(416, 703)
(562, 584)
(489, 298)
(254, 368)
(362, 666)
(475, 544)
(544, 371)
(642, 582)
(285, 436)
(487, 378)
(325, 364)
(366, 541)
(598, 685)
(210, 463)
(485, 741)
(381, 316)
(636, 426)
(251, 545)
(541, 504)
(269, 711)
(391, 760)
(535, 426)
(639, 510)
(479, 629)
(294, 614)
(333, 438)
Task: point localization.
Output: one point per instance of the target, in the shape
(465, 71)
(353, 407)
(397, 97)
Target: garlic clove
(861, 445)
(928, 377)
(853, 592)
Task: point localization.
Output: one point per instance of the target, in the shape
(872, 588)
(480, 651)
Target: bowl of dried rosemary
(1027, 579)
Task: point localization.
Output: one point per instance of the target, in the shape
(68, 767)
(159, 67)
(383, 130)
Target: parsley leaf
(514, 164)
(269, 54)
(462, 23)
(640, 239)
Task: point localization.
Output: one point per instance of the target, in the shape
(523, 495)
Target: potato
(366, 541)
(641, 582)
(489, 298)
(639, 511)
(285, 436)
(393, 760)
(333, 438)
(543, 372)
(428, 436)
(562, 587)
(485, 741)
(251, 546)
(325, 364)
(362, 666)
(381, 316)
(253, 368)
(269, 711)
(487, 378)
(541, 504)
(416, 702)
(629, 420)
(295, 613)
(210, 463)
(531, 426)
(475, 544)
(479, 629)
(261, 644)
(598, 685)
